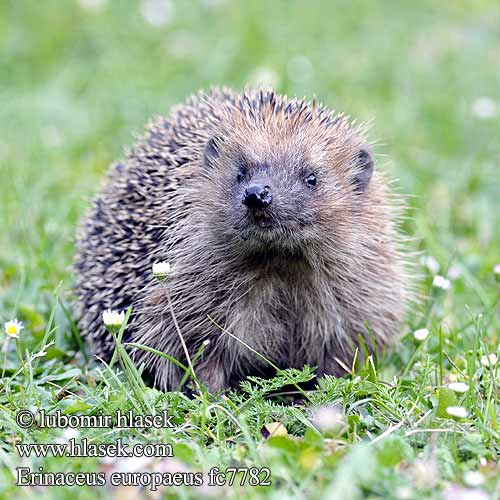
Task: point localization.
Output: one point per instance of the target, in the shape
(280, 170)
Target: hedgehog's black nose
(256, 197)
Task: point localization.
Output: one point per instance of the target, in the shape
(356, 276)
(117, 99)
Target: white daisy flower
(404, 493)
(489, 359)
(265, 77)
(421, 334)
(460, 387)
(161, 270)
(157, 12)
(430, 263)
(113, 319)
(92, 5)
(327, 418)
(441, 282)
(484, 108)
(457, 411)
(473, 478)
(13, 328)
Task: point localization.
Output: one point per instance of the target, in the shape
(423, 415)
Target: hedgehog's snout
(257, 197)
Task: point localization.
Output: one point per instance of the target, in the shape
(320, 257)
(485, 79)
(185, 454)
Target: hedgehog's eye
(310, 180)
(241, 174)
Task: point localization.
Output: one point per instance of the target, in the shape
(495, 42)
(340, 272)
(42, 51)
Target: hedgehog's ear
(212, 150)
(364, 166)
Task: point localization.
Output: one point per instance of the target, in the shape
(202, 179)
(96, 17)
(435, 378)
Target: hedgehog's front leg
(211, 372)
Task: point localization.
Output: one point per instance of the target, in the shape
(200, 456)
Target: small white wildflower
(441, 282)
(161, 270)
(327, 418)
(265, 77)
(484, 107)
(157, 12)
(457, 411)
(460, 387)
(92, 5)
(473, 478)
(421, 334)
(206, 342)
(430, 263)
(70, 433)
(404, 492)
(13, 328)
(489, 359)
(113, 319)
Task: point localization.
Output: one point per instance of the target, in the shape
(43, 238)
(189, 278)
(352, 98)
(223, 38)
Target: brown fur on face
(299, 280)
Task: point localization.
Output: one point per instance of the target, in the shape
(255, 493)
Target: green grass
(76, 84)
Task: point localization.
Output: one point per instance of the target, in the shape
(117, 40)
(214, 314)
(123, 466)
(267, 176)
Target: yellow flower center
(12, 330)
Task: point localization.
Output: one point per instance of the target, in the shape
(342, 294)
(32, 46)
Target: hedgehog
(282, 236)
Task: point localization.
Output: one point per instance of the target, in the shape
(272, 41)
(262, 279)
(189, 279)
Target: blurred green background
(79, 78)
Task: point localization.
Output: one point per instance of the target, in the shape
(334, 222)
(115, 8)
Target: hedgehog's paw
(212, 374)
